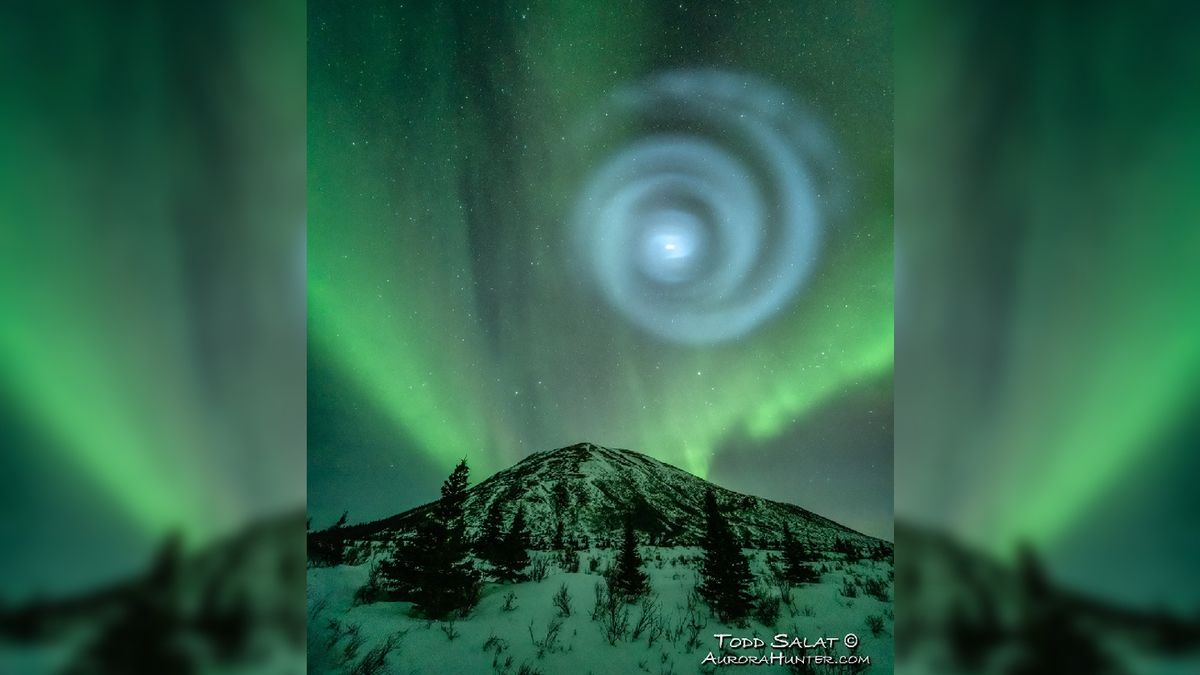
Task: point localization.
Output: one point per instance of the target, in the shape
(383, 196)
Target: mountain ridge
(589, 488)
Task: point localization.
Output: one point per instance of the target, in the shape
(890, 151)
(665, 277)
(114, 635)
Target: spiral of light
(704, 216)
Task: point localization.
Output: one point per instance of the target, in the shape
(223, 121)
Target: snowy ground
(521, 638)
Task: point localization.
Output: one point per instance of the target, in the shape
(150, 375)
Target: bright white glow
(709, 226)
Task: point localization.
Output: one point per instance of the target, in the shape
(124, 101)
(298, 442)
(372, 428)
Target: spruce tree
(627, 580)
(513, 556)
(491, 535)
(435, 571)
(327, 548)
(724, 572)
(846, 548)
(401, 574)
(797, 561)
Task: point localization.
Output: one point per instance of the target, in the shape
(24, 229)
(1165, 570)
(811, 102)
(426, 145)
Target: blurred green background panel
(1048, 239)
(151, 280)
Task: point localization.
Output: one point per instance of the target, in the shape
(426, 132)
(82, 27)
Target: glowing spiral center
(704, 217)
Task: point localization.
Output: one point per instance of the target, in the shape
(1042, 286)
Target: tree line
(441, 571)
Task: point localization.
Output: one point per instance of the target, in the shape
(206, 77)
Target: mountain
(588, 489)
(561, 609)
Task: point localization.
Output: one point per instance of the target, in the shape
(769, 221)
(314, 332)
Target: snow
(581, 648)
(588, 489)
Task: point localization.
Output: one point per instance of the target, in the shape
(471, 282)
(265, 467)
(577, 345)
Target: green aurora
(489, 344)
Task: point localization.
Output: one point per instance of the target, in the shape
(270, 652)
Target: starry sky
(646, 225)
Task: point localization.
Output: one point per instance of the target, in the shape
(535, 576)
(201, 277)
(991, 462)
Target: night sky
(639, 224)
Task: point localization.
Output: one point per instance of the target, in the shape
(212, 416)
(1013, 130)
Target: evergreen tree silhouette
(399, 575)
(1050, 636)
(797, 561)
(327, 548)
(724, 573)
(147, 637)
(341, 522)
(435, 569)
(513, 556)
(846, 548)
(627, 579)
(491, 535)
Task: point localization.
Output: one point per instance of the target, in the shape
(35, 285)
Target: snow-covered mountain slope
(589, 489)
